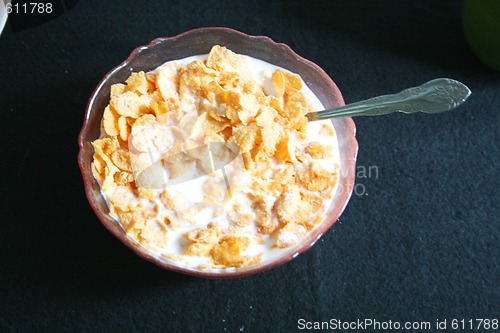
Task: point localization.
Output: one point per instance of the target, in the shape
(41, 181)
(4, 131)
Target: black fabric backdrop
(419, 240)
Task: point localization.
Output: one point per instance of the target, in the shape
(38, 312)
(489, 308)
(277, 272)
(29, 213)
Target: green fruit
(481, 22)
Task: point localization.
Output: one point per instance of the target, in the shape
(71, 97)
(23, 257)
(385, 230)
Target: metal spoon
(435, 96)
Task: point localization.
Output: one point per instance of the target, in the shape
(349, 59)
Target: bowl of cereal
(196, 153)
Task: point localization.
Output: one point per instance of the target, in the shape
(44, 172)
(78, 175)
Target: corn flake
(167, 81)
(110, 121)
(245, 137)
(117, 89)
(317, 180)
(124, 128)
(228, 251)
(129, 104)
(137, 82)
(318, 151)
(154, 233)
(224, 60)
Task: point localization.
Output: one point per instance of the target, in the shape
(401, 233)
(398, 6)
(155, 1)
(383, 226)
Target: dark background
(418, 242)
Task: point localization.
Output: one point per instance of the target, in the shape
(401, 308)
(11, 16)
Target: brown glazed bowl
(200, 41)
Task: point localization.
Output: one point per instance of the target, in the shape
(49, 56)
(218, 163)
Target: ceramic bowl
(200, 41)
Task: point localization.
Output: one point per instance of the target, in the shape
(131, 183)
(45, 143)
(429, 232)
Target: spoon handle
(435, 96)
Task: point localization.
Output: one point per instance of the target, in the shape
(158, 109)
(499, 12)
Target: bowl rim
(119, 233)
